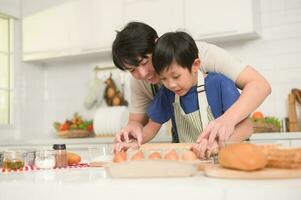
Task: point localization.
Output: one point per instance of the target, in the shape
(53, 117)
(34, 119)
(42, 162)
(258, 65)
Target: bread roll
(73, 158)
(242, 156)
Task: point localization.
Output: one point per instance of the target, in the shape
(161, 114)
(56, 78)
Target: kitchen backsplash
(55, 90)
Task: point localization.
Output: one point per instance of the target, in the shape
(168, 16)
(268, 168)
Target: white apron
(190, 126)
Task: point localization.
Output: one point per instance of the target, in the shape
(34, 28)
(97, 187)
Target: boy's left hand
(203, 150)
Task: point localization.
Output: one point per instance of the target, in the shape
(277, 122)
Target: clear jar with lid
(60, 155)
(45, 159)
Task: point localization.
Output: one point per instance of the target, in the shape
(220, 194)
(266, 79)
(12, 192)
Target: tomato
(90, 128)
(64, 127)
(257, 115)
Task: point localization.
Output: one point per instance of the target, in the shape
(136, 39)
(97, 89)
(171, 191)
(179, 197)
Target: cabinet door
(107, 19)
(71, 28)
(217, 19)
(95, 24)
(48, 30)
(162, 15)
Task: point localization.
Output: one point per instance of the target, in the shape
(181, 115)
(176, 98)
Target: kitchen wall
(54, 90)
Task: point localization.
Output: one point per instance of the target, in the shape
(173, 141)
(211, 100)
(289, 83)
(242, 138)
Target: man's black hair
(174, 46)
(132, 44)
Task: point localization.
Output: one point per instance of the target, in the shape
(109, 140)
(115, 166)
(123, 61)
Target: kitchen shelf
(69, 54)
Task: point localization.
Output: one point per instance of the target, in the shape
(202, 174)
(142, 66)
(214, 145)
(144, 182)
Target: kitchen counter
(93, 183)
(105, 140)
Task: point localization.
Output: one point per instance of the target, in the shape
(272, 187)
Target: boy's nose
(172, 84)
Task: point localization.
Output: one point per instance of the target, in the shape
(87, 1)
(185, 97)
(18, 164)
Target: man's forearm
(242, 131)
(255, 90)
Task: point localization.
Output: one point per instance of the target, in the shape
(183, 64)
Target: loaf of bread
(73, 158)
(242, 156)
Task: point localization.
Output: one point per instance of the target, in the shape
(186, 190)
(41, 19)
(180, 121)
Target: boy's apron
(190, 126)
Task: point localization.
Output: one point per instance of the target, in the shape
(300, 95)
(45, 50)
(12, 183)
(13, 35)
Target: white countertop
(93, 183)
(105, 140)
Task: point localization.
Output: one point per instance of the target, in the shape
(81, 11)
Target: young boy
(188, 97)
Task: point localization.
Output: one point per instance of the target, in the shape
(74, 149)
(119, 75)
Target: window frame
(11, 61)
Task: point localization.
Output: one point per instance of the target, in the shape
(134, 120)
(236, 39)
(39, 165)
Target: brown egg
(119, 157)
(138, 156)
(154, 156)
(171, 155)
(189, 155)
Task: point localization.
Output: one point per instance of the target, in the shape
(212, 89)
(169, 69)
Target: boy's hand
(203, 150)
(132, 131)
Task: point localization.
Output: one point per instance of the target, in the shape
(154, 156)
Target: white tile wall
(57, 90)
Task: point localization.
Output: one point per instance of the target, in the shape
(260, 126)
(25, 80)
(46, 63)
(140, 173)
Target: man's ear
(196, 65)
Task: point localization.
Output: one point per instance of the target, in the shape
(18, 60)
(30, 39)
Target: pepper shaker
(60, 155)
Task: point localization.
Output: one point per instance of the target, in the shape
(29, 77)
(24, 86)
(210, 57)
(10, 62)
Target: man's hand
(218, 130)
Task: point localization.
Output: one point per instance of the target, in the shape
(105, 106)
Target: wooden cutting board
(267, 173)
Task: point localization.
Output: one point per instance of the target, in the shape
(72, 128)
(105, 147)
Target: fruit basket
(74, 128)
(262, 124)
(262, 127)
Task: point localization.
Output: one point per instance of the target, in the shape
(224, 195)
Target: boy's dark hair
(132, 44)
(174, 46)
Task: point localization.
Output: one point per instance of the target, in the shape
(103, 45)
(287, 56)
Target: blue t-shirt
(221, 93)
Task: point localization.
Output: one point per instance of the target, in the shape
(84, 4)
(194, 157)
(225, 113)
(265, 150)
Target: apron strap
(202, 99)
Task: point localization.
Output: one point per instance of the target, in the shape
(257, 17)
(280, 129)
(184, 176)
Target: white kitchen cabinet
(162, 15)
(217, 20)
(71, 27)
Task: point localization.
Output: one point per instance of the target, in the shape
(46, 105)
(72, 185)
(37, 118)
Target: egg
(189, 155)
(171, 155)
(119, 157)
(154, 156)
(138, 156)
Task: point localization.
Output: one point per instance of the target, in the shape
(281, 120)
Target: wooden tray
(75, 134)
(217, 171)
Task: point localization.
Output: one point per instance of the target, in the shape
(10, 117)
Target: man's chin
(153, 80)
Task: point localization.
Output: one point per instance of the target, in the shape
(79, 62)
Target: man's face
(145, 71)
(178, 79)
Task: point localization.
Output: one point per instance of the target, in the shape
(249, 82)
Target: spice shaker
(60, 155)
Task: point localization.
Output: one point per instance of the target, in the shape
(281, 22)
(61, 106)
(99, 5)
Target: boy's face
(145, 71)
(178, 79)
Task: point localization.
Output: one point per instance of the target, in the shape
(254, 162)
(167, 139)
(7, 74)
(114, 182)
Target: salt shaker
(60, 155)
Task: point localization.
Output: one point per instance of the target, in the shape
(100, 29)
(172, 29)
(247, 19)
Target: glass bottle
(60, 155)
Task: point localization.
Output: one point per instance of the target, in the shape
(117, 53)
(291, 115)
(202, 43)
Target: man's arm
(242, 131)
(255, 90)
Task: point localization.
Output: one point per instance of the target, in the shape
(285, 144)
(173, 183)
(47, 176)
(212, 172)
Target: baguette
(242, 156)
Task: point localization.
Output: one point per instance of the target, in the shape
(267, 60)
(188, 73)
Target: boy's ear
(196, 65)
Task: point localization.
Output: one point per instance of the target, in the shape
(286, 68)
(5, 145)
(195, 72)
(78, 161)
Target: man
(132, 51)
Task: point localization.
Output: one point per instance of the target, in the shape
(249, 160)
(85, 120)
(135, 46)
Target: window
(6, 58)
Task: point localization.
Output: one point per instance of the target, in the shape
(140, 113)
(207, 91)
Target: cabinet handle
(217, 33)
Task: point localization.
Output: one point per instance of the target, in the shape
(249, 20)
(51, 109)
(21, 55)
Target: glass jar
(60, 155)
(29, 157)
(45, 159)
(13, 160)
